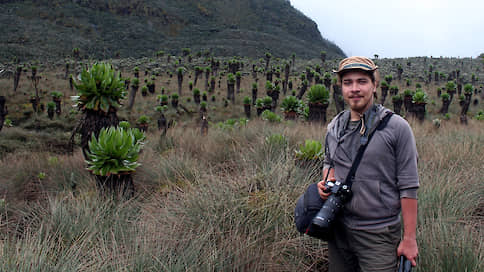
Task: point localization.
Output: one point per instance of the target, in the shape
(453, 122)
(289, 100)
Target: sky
(400, 28)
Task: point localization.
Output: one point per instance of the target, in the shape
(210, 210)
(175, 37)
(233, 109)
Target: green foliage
(450, 86)
(408, 92)
(100, 88)
(115, 151)
(269, 86)
(124, 124)
(318, 94)
(143, 119)
(397, 98)
(270, 116)
(162, 98)
(230, 78)
(203, 105)
(232, 123)
(174, 96)
(394, 88)
(419, 97)
(468, 88)
(50, 105)
(247, 100)
(267, 101)
(276, 140)
(447, 116)
(384, 84)
(56, 94)
(445, 97)
(291, 103)
(8, 123)
(259, 103)
(196, 91)
(311, 150)
(480, 116)
(161, 108)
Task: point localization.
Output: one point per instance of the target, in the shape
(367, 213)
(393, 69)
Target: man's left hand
(408, 247)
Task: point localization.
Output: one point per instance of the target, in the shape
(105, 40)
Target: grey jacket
(387, 171)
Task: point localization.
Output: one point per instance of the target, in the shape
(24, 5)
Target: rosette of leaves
(419, 97)
(468, 89)
(311, 150)
(115, 151)
(291, 104)
(56, 95)
(247, 100)
(318, 94)
(270, 116)
(450, 86)
(397, 98)
(100, 88)
(143, 120)
(445, 97)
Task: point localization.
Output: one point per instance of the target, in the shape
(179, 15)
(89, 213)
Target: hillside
(50, 29)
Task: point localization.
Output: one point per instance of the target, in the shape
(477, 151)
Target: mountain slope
(133, 28)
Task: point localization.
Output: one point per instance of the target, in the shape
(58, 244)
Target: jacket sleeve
(406, 161)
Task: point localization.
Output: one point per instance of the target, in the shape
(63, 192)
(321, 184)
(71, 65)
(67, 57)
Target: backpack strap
(351, 174)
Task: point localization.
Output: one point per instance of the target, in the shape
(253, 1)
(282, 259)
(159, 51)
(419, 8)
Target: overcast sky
(400, 28)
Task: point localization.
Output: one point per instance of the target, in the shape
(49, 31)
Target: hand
(321, 190)
(408, 247)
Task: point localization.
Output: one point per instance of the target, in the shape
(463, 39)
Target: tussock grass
(224, 202)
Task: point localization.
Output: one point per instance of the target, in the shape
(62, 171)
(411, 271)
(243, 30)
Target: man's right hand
(321, 190)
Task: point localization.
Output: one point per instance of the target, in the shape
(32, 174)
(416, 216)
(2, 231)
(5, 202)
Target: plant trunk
(16, 78)
(58, 109)
(407, 103)
(180, 82)
(3, 111)
(445, 106)
(290, 115)
(254, 95)
(397, 106)
(231, 92)
(92, 123)
(196, 98)
(304, 87)
(338, 98)
(384, 93)
(247, 110)
(50, 113)
(132, 96)
(317, 112)
(116, 185)
(237, 84)
(419, 110)
(162, 124)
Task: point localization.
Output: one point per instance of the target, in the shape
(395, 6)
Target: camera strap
(351, 174)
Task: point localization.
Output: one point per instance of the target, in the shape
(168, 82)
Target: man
(367, 234)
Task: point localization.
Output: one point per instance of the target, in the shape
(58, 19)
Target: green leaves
(311, 150)
(318, 94)
(100, 88)
(291, 103)
(115, 151)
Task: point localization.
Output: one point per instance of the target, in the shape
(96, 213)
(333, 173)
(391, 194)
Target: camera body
(340, 194)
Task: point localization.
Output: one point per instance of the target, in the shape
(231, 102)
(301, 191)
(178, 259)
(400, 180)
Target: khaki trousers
(364, 250)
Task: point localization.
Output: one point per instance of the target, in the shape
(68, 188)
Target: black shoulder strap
(361, 150)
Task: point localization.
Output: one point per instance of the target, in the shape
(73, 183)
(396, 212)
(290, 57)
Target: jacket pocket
(373, 199)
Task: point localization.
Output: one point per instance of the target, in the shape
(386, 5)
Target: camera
(340, 194)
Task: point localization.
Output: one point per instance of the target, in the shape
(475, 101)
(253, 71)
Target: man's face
(357, 90)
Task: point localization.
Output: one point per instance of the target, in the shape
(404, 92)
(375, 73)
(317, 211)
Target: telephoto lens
(326, 215)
